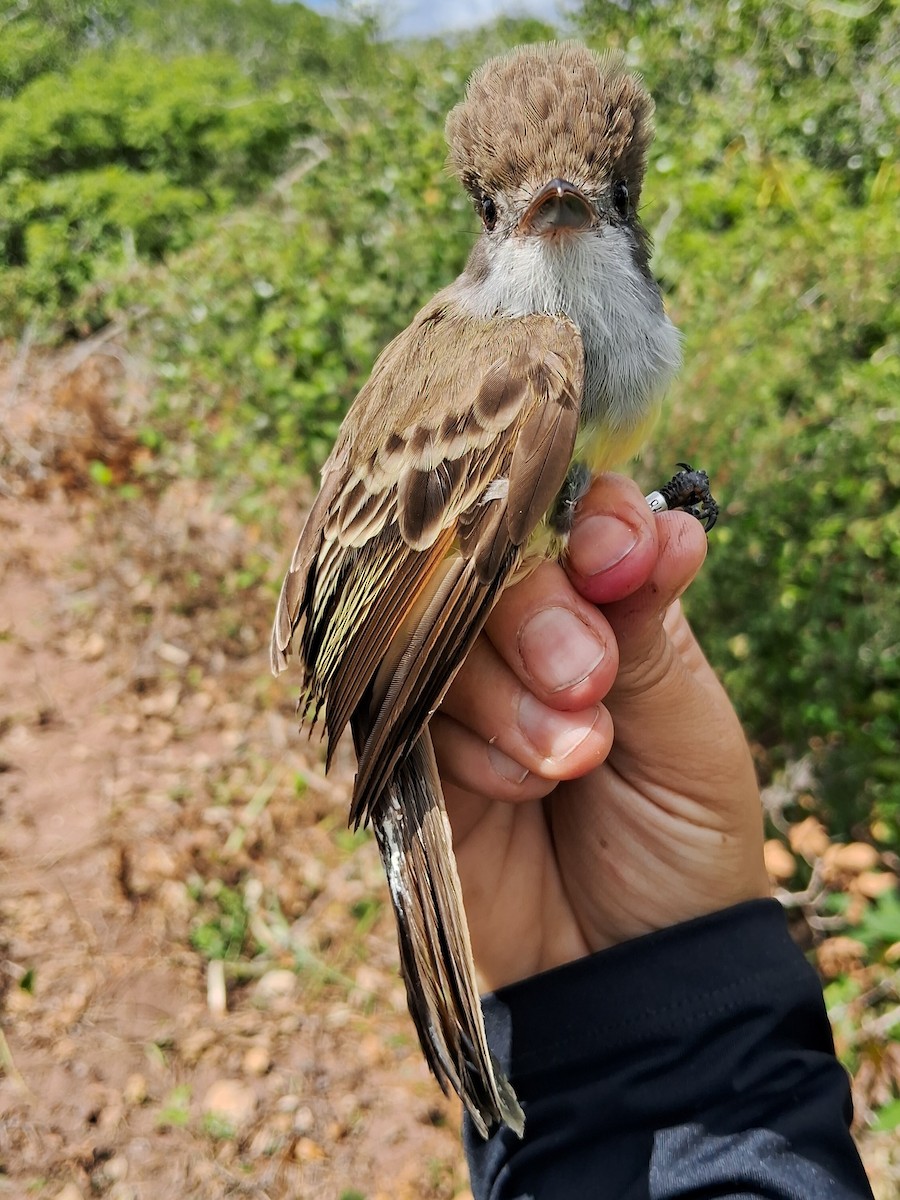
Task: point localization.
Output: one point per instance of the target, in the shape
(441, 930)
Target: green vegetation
(114, 152)
(221, 927)
(176, 1108)
(776, 189)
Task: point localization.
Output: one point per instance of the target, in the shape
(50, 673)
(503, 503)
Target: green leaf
(176, 1108)
(887, 1118)
(880, 924)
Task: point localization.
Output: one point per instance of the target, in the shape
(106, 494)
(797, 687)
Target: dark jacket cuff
(716, 1025)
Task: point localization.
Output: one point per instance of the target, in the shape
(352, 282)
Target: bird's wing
(439, 475)
(419, 522)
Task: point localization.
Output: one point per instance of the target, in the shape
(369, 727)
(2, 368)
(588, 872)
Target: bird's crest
(550, 111)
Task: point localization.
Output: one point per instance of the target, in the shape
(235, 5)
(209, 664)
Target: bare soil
(158, 807)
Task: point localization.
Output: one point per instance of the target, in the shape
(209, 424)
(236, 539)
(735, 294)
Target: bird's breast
(631, 348)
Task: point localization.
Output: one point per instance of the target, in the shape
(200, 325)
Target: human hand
(596, 775)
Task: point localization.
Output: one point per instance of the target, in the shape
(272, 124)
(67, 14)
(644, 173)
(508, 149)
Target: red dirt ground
(151, 771)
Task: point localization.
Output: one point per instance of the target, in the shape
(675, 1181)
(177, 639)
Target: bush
(772, 193)
(775, 182)
(813, 80)
(789, 398)
(268, 328)
(781, 269)
(113, 154)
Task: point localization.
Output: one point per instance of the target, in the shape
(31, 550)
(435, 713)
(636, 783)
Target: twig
(216, 992)
(878, 1027)
(319, 152)
(811, 896)
(254, 809)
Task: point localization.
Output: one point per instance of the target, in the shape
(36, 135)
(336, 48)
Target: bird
(458, 468)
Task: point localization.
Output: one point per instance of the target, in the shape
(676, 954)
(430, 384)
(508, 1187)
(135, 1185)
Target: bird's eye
(620, 197)
(488, 212)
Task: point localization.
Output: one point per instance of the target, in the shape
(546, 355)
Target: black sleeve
(695, 1063)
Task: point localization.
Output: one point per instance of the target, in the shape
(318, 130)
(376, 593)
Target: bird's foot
(688, 491)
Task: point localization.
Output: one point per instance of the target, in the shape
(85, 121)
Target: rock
(19, 1001)
(231, 1100)
(135, 1090)
(93, 647)
(145, 865)
(282, 1123)
(122, 1191)
(257, 1060)
(196, 1043)
(306, 1150)
(780, 863)
(174, 899)
(809, 839)
(346, 1107)
(266, 1141)
(279, 984)
(110, 1117)
(873, 884)
(304, 1120)
(70, 1192)
(338, 1016)
(116, 1167)
(854, 858)
(161, 704)
(838, 955)
(176, 656)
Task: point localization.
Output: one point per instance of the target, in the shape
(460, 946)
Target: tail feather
(414, 838)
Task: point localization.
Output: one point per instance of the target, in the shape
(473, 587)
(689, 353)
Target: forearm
(696, 1061)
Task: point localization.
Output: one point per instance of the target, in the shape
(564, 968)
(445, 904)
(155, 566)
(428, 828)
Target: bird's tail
(413, 835)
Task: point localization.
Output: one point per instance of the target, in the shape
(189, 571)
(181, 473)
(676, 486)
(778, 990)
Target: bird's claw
(688, 491)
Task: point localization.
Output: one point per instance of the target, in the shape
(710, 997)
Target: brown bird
(458, 468)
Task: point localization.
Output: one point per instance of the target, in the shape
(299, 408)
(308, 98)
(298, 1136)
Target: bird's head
(551, 141)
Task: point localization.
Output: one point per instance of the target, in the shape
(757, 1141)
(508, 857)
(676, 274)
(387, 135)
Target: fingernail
(601, 543)
(507, 768)
(553, 734)
(558, 650)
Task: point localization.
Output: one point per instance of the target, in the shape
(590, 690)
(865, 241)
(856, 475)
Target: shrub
(772, 193)
(114, 153)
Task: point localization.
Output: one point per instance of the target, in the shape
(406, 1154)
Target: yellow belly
(603, 449)
(600, 449)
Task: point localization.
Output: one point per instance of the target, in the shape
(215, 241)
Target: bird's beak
(556, 206)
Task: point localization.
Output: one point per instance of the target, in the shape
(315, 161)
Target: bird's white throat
(632, 349)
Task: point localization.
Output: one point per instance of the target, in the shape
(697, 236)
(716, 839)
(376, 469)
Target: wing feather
(438, 479)
(363, 656)
(543, 448)
(389, 498)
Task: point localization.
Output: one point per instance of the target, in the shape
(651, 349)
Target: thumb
(637, 620)
(631, 564)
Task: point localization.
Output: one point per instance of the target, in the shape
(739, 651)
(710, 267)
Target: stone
(257, 1060)
(230, 1100)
